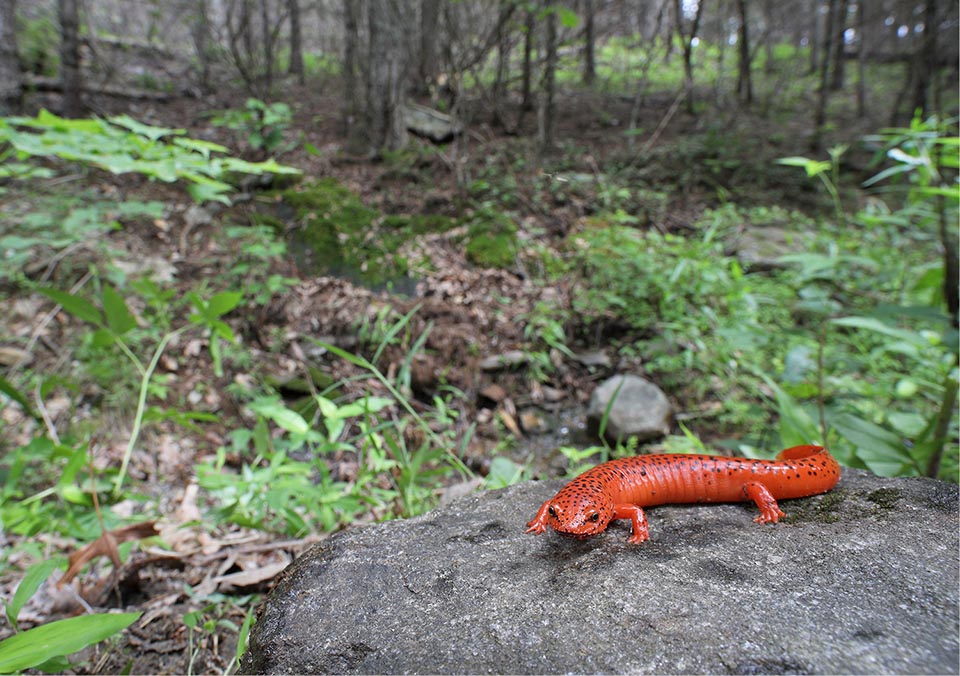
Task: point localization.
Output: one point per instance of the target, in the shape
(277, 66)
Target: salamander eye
(552, 512)
(594, 517)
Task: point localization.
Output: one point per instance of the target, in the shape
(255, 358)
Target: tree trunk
(837, 46)
(529, 25)
(589, 56)
(861, 63)
(744, 78)
(820, 116)
(503, 64)
(768, 37)
(427, 67)
(11, 81)
(385, 67)
(546, 117)
(352, 89)
(925, 72)
(70, 73)
(296, 41)
(200, 34)
(687, 41)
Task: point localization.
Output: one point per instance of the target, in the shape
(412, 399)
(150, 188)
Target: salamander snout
(580, 521)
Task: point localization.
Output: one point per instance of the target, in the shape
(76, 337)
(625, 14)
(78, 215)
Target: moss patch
(491, 240)
(346, 238)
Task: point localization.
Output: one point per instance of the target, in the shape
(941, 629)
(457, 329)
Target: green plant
(261, 124)
(46, 646)
(121, 144)
(113, 321)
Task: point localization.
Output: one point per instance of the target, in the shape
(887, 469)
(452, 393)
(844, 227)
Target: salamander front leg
(770, 511)
(539, 523)
(641, 533)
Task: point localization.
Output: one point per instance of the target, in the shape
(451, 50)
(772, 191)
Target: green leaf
(882, 451)
(223, 303)
(146, 130)
(291, 421)
(871, 324)
(568, 18)
(8, 389)
(75, 305)
(63, 637)
(36, 575)
(812, 167)
(119, 318)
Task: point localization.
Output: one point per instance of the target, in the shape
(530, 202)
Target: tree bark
(385, 67)
(861, 62)
(823, 93)
(687, 41)
(427, 67)
(744, 78)
(200, 34)
(837, 46)
(546, 117)
(503, 64)
(351, 77)
(589, 55)
(296, 41)
(529, 25)
(924, 73)
(11, 79)
(70, 74)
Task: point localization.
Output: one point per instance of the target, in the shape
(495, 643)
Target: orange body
(620, 489)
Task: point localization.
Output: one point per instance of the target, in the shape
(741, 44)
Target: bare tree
(546, 101)
(352, 76)
(837, 45)
(529, 26)
(589, 56)
(429, 36)
(744, 79)
(11, 90)
(200, 33)
(71, 78)
(688, 40)
(296, 41)
(823, 93)
(252, 38)
(385, 67)
(925, 66)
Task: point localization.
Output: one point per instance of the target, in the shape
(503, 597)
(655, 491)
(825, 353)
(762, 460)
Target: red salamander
(620, 489)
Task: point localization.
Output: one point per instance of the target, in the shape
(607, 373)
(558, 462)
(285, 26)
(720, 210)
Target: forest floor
(472, 313)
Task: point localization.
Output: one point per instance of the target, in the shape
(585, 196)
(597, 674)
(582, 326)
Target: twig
(664, 122)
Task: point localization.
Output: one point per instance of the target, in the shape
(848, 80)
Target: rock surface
(640, 409)
(862, 579)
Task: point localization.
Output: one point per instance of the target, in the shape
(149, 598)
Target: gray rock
(640, 410)
(759, 248)
(429, 123)
(860, 580)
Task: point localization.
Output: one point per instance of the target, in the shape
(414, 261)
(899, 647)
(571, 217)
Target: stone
(640, 410)
(507, 360)
(860, 580)
(759, 248)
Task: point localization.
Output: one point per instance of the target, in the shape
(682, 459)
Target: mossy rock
(491, 240)
(348, 238)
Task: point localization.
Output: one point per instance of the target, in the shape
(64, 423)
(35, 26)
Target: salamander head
(579, 513)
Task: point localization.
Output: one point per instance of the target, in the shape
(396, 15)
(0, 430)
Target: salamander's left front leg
(770, 511)
(539, 523)
(641, 533)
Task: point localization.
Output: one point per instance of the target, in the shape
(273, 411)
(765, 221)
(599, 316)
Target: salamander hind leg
(641, 532)
(770, 511)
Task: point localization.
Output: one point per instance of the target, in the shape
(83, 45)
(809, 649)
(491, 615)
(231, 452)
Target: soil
(474, 312)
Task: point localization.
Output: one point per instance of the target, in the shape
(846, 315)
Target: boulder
(640, 409)
(860, 580)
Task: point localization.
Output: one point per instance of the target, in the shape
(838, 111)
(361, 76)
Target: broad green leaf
(206, 192)
(119, 318)
(291, 421)
(568, 18)
(36, 575)
(267, 166)
(75, 305)
(63, 637)
(200, 146)
(882, 451)
(222, 303)
(150, 132)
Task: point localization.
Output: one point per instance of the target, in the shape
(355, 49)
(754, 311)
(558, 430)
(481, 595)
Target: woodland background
(269, 269)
